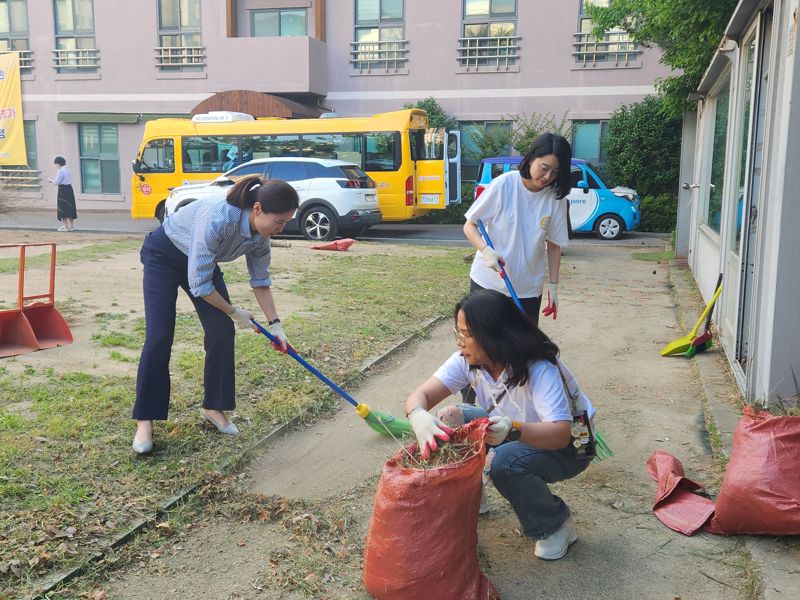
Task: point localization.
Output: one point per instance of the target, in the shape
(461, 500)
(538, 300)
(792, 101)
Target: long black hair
(550, 143)
(506, 335)
(274, 195)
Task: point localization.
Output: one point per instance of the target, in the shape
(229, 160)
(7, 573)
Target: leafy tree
(644, 148)
(436, 115)
(487, 141)
(687, 31)
(527, 129)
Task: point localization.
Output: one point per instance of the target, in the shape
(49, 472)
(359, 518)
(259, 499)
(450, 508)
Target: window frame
(280, 11)
(505, 55)
(15, 36)
(101, 158)
(600, 59)
(81, 64)
(191, 63)
(391, 58)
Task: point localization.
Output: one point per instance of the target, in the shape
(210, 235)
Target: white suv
(335, 196)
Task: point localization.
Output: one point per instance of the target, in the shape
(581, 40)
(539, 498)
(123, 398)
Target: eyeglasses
(461, 338)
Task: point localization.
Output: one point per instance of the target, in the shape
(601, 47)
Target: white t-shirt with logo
(541, 400)
(518, 222)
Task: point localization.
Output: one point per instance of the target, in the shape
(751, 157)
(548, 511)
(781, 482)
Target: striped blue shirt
(211, 231)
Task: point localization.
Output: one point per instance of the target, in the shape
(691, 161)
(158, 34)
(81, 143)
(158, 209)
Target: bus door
(153, 176)
(430, 165)
(453, 167)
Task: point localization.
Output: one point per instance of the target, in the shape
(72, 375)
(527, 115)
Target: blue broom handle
(503, 273)
(293, 353)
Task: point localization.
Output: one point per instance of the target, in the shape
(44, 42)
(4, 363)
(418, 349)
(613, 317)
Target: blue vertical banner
(12, 130)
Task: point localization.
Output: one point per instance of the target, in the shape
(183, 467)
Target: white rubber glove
(428, 428)
(492, 259)
(276, 329)
(552, 302)
(242, 318)
(498, 430)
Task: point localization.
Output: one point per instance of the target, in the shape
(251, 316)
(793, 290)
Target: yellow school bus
(416, 169)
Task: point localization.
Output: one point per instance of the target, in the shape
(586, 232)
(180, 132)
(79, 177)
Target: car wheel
(318, 224)
(160, 213)
(609, 227)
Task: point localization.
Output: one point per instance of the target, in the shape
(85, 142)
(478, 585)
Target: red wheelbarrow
(35, 324)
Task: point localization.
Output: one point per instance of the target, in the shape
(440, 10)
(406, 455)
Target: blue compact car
(609, 213)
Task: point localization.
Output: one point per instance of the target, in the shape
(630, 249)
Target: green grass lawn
(69, 482)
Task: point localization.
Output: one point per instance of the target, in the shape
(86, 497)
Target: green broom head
(702, 347)
(383, 423)
(601, 448)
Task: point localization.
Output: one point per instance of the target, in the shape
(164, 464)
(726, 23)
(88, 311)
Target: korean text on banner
(12, 131)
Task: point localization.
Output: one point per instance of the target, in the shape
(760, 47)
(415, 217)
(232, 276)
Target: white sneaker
(62, 228)
(556, 546)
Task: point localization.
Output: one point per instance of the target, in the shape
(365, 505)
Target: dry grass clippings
(448, 454)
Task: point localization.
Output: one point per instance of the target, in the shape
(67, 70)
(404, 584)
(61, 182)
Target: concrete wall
(548, 80)
(545, 79)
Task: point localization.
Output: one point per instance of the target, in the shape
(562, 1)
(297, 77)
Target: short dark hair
(551, 143)
(274, 195)
(59, 160)
(506, 334)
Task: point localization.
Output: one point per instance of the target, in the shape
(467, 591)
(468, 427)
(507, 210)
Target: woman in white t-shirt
(525, 216)
(520, 385)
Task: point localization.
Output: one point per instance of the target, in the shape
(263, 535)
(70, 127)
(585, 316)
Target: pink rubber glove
(428, 429)
(552, 302)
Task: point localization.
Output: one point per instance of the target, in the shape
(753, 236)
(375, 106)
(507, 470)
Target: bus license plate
(430, 199)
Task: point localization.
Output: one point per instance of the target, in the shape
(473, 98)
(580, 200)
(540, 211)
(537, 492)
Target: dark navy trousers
(165, 270)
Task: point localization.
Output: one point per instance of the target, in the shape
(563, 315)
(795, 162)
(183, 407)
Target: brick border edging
(165, 506)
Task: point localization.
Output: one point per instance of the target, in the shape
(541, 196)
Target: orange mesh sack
(423, 536)
(761, 490)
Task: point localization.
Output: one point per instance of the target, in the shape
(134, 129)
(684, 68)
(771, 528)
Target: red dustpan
(339, 245)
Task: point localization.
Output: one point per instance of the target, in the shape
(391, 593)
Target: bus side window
(158, 156)
(208, 154)
(382, 151)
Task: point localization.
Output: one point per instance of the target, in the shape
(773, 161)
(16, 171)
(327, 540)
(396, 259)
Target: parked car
(592, 205)
(335, 196)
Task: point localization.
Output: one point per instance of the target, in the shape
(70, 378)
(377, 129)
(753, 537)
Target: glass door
(751, 196)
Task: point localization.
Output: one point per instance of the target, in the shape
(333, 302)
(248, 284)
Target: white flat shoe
(145, 447)
(229, 429)
(556, 546)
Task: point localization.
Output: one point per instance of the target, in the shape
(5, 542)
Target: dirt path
(617, 313)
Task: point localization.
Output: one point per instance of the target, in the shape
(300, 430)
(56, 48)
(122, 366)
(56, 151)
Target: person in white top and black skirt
(67, 213)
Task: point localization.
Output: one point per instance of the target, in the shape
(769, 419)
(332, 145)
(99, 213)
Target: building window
(489, 37)
(587, 141)
(23, 177)
(380, 43)
(713, 213)
(179, 41)
(99, 155)
(14, 31)
(615, 49)
(30, 145)
(283, 22)
(75, 47)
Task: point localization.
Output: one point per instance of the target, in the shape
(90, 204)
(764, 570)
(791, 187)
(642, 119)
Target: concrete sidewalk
(111, 221)
(617, 313)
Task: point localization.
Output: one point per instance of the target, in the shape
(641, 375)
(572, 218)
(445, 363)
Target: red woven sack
(423, 536)
(761, 490)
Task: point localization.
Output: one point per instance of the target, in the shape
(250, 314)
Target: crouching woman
(520, 385)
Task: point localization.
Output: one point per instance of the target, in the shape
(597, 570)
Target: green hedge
(659, 213)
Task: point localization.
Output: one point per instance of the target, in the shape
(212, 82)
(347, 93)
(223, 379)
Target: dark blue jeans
(521, 473)
(166, 270)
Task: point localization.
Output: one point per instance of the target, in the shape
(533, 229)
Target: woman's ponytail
(274, 195)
